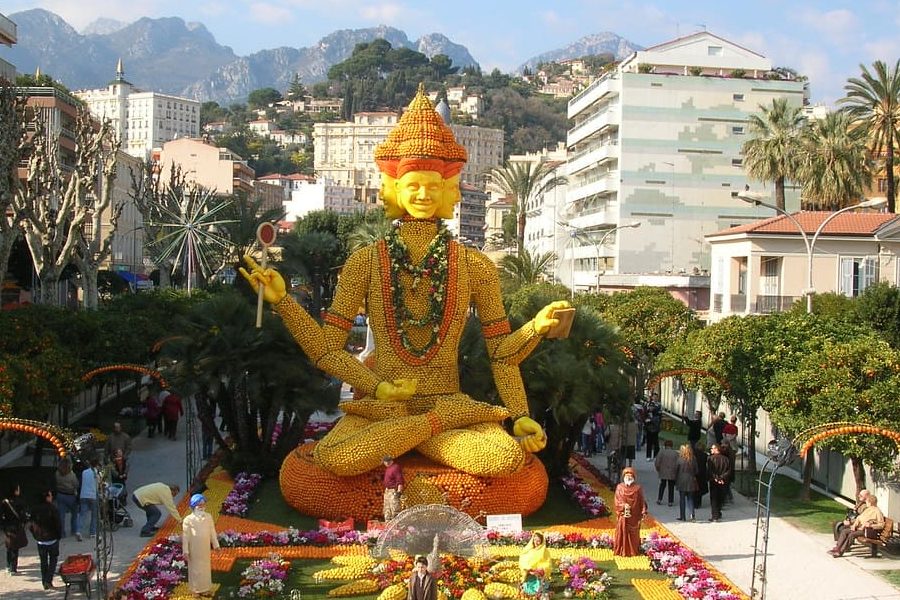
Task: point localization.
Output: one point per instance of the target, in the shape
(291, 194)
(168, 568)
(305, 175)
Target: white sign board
(505, 523)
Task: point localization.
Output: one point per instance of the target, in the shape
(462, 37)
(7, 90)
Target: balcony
(593, 124)
(603, 184)
(593, 155)
(8, 34)
(774, 304)
(7, 71)
(738, 303)
(604, 86)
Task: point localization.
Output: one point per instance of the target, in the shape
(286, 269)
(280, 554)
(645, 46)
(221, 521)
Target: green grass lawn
(891, 576)
(818, 514)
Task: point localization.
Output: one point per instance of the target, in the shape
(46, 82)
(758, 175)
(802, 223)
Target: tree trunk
(751, 445)
(807, 474)
(859, 473)
(520, 230)
(889, 167)
(49, 278)
(779, 192)
(7, 239)
(90, 293)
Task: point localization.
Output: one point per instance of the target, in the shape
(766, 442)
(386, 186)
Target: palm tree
(524, 182)
(771, 152)
(369, 231)
(517, 270)
(873, 101)
(832, 166)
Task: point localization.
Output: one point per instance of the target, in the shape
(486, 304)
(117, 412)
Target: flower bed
(552, 539)
(237, 502)
(296, 537)
(585, 495)
(264, 578)
(584, 579)
(690, 574)
(157, 572)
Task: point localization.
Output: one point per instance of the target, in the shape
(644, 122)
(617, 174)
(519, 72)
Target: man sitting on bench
(868, 524)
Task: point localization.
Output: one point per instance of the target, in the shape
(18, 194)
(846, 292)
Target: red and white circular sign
(265, 234)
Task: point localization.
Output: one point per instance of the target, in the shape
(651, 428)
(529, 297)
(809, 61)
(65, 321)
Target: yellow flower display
(655, 589)
(419, 287)
(362, 587)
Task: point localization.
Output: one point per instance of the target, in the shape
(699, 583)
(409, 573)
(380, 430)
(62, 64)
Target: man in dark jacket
(422, 585)
(47, 529)
(693, 427)
(718, 470)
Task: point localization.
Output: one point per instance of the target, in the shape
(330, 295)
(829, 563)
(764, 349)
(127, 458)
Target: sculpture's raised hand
(274, 288)
(544, 321)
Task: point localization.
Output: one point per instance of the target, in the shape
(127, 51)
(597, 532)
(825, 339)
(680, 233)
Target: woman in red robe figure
(630, 509)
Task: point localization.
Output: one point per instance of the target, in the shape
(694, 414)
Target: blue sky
(824, 40)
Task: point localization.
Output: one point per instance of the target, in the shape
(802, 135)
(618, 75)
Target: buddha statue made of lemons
(419, 286)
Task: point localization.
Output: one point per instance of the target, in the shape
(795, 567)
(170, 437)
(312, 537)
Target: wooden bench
(881, 540)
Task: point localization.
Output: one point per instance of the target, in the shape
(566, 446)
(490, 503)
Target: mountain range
(182, 58)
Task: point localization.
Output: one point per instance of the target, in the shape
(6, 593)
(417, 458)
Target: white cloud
(841, 24)
(886, 50)
(386, 13)
(266, 12)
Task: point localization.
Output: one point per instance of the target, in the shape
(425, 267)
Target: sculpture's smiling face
(421, 193)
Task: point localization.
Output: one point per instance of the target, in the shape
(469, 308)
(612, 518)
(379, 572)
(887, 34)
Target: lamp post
(756, 199)
(597, 246)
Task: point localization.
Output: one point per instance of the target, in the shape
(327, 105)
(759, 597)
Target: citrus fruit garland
(61, 439)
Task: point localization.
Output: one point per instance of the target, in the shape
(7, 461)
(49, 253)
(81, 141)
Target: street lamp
(597, 246)
(756, 199)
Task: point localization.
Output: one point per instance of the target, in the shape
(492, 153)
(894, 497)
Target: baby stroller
(118, 514)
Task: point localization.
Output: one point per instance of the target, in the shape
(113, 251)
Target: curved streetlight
(576, 231)
(756, 199)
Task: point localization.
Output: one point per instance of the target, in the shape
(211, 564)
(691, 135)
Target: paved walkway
(152, 460)
(798, 566)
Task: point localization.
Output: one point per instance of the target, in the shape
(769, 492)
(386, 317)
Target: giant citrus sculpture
(419, 287)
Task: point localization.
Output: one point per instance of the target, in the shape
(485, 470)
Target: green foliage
(854, 380)
(263, 97)
(523, 183)
(314, 256)
(829, 304)
(567, 379)
(258, 378)
(650, 321)
(873, 102)
(772, 151)
(44, 80)
(879, 307)
(517, 270)
(833, 162)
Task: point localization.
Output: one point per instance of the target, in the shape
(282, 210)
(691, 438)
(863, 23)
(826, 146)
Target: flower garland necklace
(434, 266)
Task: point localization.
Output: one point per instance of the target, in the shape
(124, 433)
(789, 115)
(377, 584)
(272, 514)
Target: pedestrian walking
(46, 528)
(666, 462)
(87, 498)
(117, 440)
(13, 517)
(171, 412)
(700, 457)
(686, 482)
(718, 470)
(67, 488)
(153, 414)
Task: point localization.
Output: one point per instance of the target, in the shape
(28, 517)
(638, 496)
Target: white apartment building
(658, 141)
(8, 37)
(308, 196)
(468, 224)
(143, 120)
(345, 152)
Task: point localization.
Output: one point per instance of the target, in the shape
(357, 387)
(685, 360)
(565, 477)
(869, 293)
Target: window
(737, 130)
(714, 50)
(737, 97)
(882, 185)
(857, 274)
(737, 162)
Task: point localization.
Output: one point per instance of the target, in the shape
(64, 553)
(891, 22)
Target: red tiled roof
(849, 223)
